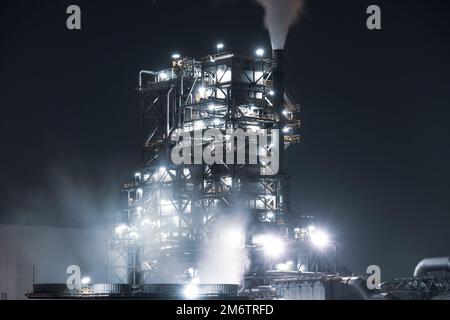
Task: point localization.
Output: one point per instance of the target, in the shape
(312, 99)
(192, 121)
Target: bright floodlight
(220, 46)
(191, 291)
(320, 238)
(271, 93)
(163, 76)
(86, 280)
(176, 56)
(260, 52)
(272, 245)
(120, 229)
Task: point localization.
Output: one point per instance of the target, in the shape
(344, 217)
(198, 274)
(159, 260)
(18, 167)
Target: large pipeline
(360, 287)
(432, 264)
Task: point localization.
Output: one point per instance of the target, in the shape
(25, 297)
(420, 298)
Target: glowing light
(272, 245)
(271, 93)
(286, 129)
(320, 238)
(282, 267)
(176, 56)
(86, 280)
(220, 46)
(270, 215)
(120, 229)
(199, 124)
(202, 92)
(285, 113)
(134, 235)
(260, 52)
(191, 291)
(137, 175)
(163, 76)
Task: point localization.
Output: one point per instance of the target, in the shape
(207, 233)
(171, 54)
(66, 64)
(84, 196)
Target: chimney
(278, 88)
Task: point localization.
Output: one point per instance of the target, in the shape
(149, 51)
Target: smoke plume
(280, 16)
(224, 260)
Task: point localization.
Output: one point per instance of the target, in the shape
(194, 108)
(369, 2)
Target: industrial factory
(224, 229)
(224, 150)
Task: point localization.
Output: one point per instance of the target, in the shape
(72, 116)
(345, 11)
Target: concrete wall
(51, 250)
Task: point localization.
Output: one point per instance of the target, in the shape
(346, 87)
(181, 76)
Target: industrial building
(175, 211)
(201, 229)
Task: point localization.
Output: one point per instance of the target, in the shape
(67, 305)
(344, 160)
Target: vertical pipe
(168, 111)
(181, 98)
(278, 88)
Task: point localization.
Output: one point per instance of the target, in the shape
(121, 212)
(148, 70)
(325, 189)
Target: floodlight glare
(191, 291)
(163, 76)
(260, 52)
(121, 228)
(86, 280)
(220, 46)
(272, 245)
(320, 238)
(176, 56)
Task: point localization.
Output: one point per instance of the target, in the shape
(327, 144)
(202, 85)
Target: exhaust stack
(278, 88)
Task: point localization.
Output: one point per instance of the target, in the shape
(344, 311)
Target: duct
(168, 110)
(360, 287)
(432, 264)
(145, 72)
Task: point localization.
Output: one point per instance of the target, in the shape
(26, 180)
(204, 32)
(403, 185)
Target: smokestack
(278, 88)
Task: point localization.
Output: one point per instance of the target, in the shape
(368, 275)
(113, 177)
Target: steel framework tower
(175, 210)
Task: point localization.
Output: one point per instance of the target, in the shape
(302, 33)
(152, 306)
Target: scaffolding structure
(174, 209)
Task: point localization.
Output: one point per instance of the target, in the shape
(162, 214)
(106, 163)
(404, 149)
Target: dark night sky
(374, 160)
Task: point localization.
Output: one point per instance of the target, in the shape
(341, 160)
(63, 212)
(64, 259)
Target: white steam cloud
(225, 259)
(280, 16)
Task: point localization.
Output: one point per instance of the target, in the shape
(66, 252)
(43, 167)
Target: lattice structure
(174, 210)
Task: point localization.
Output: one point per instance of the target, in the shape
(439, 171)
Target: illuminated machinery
(174, 211)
